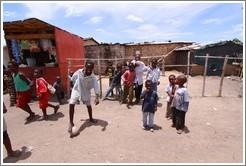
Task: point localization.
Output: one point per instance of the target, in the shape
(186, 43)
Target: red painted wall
(67, 46)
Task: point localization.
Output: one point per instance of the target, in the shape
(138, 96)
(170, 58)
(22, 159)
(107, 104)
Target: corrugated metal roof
(187, 48)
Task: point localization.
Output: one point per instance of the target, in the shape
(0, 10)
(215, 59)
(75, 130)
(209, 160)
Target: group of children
(177, 94)
(83, 80)
(20, 90)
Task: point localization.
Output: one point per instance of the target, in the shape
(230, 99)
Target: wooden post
(223, 74)
(240, 93)
(188, 68)
(204, 74)
(100, 76)
(163, 66)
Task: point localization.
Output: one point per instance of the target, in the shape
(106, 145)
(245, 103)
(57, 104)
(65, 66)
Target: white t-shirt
(83, 85)
(181, 99)
(139, 69)
(169, 89)
(153, 74)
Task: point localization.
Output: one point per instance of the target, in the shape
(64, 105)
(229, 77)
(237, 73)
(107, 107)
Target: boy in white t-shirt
(83, 81)
(180, 104)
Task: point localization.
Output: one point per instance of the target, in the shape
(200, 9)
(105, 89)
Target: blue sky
(123, 22)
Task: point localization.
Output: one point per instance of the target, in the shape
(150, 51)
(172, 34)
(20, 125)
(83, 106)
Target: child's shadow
(156, 127)
(87, 123)
(186, 130)
(35, 118)
(54, 117)
(25, 153)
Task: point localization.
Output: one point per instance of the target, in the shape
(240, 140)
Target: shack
(215, 65)
(36, 44)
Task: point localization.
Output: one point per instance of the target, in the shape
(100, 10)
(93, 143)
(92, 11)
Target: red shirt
(128, 77)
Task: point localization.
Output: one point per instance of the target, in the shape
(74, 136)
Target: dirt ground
(213, 134)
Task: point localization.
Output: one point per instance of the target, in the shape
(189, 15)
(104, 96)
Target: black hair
(88, 62)
(119, 65)
(150, 81)
(182, 78)
(154, 60)
(172, 75)
(14, 64)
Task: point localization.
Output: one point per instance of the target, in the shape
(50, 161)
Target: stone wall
(104, 51)
(113, 51)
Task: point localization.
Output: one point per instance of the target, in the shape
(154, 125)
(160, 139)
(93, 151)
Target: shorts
(23, 98)
(75, 101)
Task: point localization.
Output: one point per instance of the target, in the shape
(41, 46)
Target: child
(43, 93)
(128, 82)
(6, 139)
(153, 74)
(170, 90)
(59, 89)
(22, 86)
(110, 72)
(8, 79)
(180, 103)
(116, 82)
(84, 80)
(149, 105)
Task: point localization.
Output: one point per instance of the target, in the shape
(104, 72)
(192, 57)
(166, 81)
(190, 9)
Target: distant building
(90, 42)
(214, 68)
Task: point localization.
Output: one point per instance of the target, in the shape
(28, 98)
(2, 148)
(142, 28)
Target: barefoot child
(22, 87)
(43, 93)
(6, 139)
(84, 80)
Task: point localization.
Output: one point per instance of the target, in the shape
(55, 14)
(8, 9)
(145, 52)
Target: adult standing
(138, 81)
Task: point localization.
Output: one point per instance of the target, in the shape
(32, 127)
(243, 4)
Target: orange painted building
(48, 45)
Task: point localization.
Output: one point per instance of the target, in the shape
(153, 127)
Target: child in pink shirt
(128, 83)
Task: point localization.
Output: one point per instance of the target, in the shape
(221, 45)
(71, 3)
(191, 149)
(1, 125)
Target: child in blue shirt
(149, 105)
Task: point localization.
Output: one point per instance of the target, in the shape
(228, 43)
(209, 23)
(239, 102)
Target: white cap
(137, 52)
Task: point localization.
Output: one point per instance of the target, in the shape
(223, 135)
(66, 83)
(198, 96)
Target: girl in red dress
(43, 93)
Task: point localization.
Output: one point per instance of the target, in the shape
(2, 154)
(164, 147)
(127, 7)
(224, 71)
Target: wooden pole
(188, 68)
(99, 71)
(223, 74)
(240, 93)
(204, 74)
(163, 66)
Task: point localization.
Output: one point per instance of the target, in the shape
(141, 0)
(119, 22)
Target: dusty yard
(214, 130)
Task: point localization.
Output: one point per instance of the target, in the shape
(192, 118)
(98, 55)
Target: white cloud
(234, 31)
(70, 11)
(94, 20)
(100, 30)
(212, 21)
(43, 11)
(134, 18)
(9, 14)
(149, 32)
